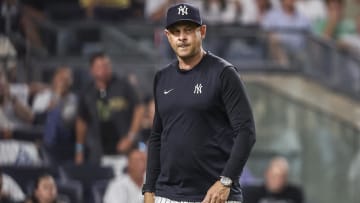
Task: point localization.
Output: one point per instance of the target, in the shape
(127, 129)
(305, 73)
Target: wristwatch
(227, 182)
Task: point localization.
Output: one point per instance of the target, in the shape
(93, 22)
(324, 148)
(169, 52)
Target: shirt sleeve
(153, 162)
(241, 119)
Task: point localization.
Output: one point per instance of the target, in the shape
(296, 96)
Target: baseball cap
(182, 12)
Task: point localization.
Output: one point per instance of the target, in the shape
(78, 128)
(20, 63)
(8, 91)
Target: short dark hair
(97, 55)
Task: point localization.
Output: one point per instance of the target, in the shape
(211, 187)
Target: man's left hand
(124, 144)
(217, 193)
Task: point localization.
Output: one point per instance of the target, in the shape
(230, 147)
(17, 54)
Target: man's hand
(124, 145)
(149, 197)
(217, 193)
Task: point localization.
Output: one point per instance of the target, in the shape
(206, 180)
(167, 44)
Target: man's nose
(182, 36)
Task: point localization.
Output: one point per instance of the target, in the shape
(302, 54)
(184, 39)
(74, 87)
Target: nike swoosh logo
(167, 92)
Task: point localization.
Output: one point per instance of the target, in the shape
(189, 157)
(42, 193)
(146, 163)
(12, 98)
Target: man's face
(185, 38)
(63, 78)
(46, 191)
(276, 178)
(101, 68)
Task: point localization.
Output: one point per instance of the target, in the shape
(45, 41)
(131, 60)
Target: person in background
(10, 192)
(286, 27)
(313, 10)
(334, 26)
(112, 10)
(58, 107)
(276, 187)
(109, 116)
(352, 9)
(221, 12)
(45, 191)
(14, 115)
(352, 41)
(128, 187)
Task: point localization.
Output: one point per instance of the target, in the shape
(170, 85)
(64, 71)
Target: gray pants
(165, 200)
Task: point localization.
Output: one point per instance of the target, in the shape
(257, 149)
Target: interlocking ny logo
(197, 89)
(182, 10)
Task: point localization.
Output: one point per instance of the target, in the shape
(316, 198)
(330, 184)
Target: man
(334, 26)
(276, 187)
(203, 128)
(109, 112)
(287, 28)
(128, 188)
(57, 107)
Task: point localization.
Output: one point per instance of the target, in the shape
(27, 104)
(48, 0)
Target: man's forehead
(184, 23)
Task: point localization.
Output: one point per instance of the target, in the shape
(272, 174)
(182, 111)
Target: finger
(206, 199)
(213, 199)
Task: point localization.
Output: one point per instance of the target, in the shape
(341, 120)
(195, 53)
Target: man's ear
(203, 31)
(166, 32)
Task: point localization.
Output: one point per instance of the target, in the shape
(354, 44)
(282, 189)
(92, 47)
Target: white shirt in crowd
(123, 189)
(43, 99)
(11, 188)
(312, 9)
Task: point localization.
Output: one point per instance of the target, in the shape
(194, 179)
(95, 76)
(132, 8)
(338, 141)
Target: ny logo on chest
(197, 88)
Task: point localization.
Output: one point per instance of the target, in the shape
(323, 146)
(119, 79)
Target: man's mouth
(183, 45)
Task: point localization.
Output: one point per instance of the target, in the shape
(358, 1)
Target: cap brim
(183, 20)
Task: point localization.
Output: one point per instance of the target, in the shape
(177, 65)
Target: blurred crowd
(107, 123)
(336, 20)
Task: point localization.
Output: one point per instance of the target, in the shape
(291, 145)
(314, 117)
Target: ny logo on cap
(182, 10)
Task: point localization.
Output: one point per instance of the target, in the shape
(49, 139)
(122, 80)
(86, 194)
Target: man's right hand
(79, 158)
(149, 197)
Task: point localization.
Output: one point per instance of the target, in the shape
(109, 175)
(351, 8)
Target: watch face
(226, 181)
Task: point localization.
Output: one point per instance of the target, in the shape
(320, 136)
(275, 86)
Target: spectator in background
(352, 9)
(286, 27)
(276, 187)
(14, 115)
(45, 191)
(10, 191)
(112, 9)
(253, 11)
(23, 91)
(9, 14)
(352, 41)
(58, 107)
(334, 26)
(128, 188)
(109, 115)
(32, 14)
(313, 10)
(221, 11)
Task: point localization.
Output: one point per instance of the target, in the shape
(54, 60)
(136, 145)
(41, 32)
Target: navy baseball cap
(182, 12)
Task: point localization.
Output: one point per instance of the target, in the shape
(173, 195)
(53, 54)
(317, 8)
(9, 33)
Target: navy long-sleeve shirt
(203, 129)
